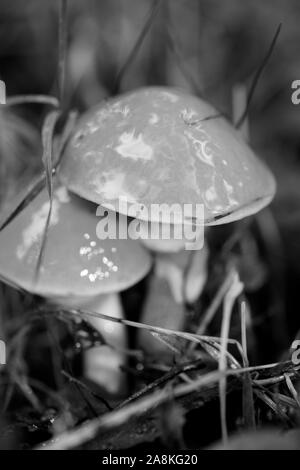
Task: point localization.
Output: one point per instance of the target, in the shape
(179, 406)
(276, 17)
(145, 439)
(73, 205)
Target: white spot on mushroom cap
(110, 188)
(34, 231)
(154, 119)
(99, 273)
(125, 110)
(84, 250)
(102, 115)
(188, 114)
(170, 96)
(210, 194)
(201, 147)
(230, 191)
(217, 209)
(134, 147)
(92, 127)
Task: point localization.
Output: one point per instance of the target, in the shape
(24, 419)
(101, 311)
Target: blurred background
(207, 47)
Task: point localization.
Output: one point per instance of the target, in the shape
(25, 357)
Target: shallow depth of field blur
(207, 47)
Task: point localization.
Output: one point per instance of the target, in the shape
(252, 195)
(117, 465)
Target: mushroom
(78, 270)
(2, 92)
(161, 146)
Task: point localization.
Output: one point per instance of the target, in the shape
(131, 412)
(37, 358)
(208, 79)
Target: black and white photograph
(149, 228)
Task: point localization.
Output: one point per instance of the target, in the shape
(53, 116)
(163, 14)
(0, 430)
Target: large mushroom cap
(75, 261)
(163, 146)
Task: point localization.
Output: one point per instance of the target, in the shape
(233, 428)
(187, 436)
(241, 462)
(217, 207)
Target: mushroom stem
(102, 364)
(178, 278)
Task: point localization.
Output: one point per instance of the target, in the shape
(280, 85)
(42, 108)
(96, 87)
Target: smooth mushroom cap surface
(159, 145)
(76, 262)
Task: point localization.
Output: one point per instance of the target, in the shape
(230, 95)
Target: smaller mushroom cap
(75, 262)
(159, 145)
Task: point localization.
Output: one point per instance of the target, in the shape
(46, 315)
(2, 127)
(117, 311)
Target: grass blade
(229, 300)
(151, 16)
(258, 75)
(248, 402)
(32, 99)
(47, 138)
(62, 50)
(38, 182)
